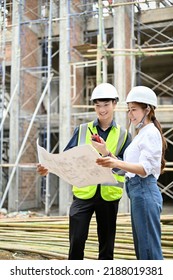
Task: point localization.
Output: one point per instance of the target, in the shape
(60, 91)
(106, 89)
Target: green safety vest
(114, 142)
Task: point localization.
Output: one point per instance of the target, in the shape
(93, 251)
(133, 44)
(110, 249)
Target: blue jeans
(146, 206)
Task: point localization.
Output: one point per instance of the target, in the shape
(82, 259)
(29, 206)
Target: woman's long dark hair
(157, 124)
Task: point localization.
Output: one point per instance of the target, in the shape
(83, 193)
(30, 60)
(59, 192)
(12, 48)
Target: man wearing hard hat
(101, 200)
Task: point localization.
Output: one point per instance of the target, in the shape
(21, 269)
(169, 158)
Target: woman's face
(136, 113)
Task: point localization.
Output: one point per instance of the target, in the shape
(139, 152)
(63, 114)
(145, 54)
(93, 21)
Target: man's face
(105, 109)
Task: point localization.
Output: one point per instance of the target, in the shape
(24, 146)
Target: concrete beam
(157, 15)
(148, 16)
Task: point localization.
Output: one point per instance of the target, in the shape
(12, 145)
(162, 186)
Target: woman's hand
(113, 162)
(100, 147)
(108, 162)
(42, 170)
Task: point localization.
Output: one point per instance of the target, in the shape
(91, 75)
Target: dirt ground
(9, 255)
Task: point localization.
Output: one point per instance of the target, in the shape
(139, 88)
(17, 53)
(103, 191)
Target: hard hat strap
(139, 125)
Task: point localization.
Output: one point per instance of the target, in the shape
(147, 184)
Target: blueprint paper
(76, 166)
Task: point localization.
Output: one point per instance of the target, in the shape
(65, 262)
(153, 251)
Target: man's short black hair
(104, 100)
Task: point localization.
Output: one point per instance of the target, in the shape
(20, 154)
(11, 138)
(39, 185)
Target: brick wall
(31, 9)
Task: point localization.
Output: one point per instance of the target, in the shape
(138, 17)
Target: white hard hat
(104, 91)
(142, 94)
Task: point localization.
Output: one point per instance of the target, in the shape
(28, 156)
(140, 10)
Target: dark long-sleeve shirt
(103, 133)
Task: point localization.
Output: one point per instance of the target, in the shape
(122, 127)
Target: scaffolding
(60, 51)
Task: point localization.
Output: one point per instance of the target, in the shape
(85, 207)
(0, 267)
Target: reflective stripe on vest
(115, 141)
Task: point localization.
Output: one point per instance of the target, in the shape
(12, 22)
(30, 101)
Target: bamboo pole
(48, 237)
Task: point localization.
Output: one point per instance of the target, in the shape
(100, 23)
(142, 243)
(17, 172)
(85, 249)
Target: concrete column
(64, 98)
(119, 60)
(121, 73)
(14, 111)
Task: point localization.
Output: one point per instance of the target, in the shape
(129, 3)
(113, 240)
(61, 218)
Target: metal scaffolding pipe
(47, 202)
(8, 107)
(24, 142)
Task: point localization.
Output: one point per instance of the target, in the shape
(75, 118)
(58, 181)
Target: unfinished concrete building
(52, 54)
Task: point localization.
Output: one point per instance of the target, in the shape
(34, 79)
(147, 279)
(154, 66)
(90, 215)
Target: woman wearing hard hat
(143, 162)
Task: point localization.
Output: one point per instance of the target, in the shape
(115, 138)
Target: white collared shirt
(146, 149)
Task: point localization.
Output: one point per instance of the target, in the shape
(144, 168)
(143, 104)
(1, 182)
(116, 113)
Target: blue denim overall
(146, 205)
